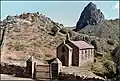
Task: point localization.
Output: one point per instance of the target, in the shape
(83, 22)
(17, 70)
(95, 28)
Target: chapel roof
(82, 44)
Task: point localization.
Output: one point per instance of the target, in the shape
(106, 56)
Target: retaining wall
(12, 70)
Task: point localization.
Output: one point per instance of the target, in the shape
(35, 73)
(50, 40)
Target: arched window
(63, 49)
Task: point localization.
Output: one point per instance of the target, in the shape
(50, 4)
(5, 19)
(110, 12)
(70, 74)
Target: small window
(88, 54)
(63, 49)
(82, 52)
(82, 57)
(91, 52)
(85, 51)
(85, 56)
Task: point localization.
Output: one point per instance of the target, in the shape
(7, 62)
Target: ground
(79, 71)
(10, 77)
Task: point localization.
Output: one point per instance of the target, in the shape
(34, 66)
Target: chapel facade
(75, 53)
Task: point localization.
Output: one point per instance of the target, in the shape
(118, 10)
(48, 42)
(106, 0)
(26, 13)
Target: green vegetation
(54, 30)
(94, 43)
(110, 42)
(110, 68)
(71, 33)
(105, 68)
(103, 65)
(97, 68)
(78, 37)
(18, 46)
(61, 25)
(64, 30)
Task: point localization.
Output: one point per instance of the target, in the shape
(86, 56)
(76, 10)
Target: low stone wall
(13, 70)
(72, 77)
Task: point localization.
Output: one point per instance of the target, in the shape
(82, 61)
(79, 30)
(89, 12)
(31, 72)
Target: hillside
(109, 29)
(28, 34)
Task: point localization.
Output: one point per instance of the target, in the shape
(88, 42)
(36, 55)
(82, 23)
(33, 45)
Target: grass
(18, 46)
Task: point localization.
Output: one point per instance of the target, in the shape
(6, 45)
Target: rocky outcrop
(90, 16)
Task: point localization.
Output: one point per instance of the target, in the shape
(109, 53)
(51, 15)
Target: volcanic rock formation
(90, 16)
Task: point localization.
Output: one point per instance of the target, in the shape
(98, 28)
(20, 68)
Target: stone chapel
(75, 53)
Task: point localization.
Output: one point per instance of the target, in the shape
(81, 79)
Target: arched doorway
(63, 60)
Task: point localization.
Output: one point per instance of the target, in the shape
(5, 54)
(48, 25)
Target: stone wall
(20, 71)
(13, 70)
(73, 77)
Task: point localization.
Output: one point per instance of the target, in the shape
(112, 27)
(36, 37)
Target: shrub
(97, 68)
(64, 30)
(8, 17)
(18, 47)
(61, 25)
(38, 13)
(106, 68)
(71, 33)
(86, 38)
(77, 38)
(48, 55)
(110, 69)
(54, 30)
(94, 43)
(110, 42)
(98, 54)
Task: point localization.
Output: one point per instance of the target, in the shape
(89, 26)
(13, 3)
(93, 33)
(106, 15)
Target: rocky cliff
(89, 16)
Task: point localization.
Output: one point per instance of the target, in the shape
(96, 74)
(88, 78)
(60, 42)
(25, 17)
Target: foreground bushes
(64, 30)
(110, 42)
(106, 68)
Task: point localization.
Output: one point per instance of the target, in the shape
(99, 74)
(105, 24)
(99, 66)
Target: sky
(64, 12)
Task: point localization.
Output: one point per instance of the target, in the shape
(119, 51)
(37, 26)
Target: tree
(94, 43)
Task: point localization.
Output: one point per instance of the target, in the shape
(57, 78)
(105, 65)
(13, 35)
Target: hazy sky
(65, 12)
